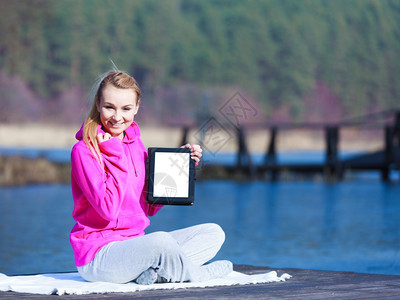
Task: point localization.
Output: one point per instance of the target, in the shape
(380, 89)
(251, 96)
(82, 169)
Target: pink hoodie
(110, 202)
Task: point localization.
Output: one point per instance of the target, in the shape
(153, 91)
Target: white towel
(72, 283)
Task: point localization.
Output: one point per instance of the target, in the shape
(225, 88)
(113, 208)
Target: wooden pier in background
(384, 160)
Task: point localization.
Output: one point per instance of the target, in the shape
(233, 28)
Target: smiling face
(117, 108)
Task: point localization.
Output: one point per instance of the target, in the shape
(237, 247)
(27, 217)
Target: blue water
(63, 155)
(352, 225)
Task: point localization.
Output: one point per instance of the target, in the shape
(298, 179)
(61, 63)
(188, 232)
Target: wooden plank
(305, 284)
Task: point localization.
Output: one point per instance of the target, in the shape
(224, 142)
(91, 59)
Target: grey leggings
(176, 256)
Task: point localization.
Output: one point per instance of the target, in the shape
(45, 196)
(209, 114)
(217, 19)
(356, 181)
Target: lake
(353, 225)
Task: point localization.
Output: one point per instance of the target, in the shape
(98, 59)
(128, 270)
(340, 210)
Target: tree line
(288, 56)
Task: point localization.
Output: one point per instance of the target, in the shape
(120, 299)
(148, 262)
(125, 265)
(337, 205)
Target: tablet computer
(171, 175)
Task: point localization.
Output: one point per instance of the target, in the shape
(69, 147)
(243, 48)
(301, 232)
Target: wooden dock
(305, 284)
(384, 160)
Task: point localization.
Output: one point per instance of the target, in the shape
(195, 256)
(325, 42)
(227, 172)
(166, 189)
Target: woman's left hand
(196, 152)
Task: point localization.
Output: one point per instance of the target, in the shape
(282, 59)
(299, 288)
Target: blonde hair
(118, 79)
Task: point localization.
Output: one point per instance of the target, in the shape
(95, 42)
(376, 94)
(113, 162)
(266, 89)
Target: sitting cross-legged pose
(110, 209)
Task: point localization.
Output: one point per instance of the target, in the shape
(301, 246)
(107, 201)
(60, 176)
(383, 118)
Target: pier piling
(385, 160)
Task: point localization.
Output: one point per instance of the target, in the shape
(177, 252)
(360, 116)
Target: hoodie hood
(132, 133)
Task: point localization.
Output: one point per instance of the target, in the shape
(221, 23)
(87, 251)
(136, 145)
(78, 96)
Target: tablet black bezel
(151, 199)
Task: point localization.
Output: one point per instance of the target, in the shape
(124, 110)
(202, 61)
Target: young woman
(111, 213)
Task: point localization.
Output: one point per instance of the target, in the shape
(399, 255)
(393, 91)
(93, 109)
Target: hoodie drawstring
(133, 160)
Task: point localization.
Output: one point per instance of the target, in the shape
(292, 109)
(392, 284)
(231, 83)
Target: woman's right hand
(100, 138)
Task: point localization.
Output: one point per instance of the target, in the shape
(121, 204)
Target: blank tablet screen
(171, 176)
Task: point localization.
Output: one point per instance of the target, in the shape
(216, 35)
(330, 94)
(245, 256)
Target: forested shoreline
(306, 60)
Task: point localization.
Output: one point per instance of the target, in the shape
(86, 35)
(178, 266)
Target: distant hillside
(296, 60)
